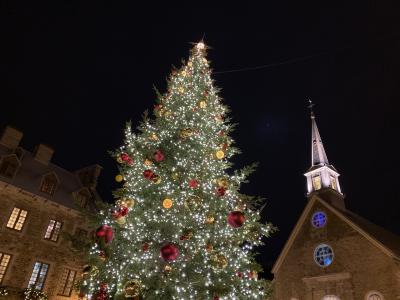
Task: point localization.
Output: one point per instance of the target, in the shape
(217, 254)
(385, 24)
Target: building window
(330, 297)
(53, 231)
(4, 261)
(49, 184)
(67, 282)
(17, 219)
(318, 219)
(323, 255)
(9, 166)
(333, 182)
(38, 276)
(316, 181)
(374, 295)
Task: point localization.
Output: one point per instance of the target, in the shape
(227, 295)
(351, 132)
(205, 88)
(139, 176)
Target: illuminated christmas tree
(180, 228)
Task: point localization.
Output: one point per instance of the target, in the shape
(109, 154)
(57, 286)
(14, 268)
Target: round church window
(323, 255)
(318, 219)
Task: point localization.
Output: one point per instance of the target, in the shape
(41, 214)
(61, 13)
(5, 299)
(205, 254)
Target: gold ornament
(218, 261)
(222, 182)
(119, 178)
(92, 271)
(185, 133)
(148, 162)
(184, 73)
(210, 219)
(202, 104)
(119, 159)
(209, 247)
(129, 202)
(175, 176)
(167, 113)
(132, 288)
(190, 64)
(153, 137)
(181, 90)
(167, 268)
(121, 220)
(220, 154)
(193, 202)
(167, 203)
(156, 179)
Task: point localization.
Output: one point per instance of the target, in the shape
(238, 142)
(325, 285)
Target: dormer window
(9, 166)
(49, 184)
(316, 181)
(83, 197)
(333, 182)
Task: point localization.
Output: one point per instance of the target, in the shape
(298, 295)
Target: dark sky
(73, 72)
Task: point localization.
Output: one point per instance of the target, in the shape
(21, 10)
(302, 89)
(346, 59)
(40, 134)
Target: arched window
(374, 295)
(323, 255)
(9, 166)
(333, 182)
(318, 219)
(330, 297)
(49, 184)
(316, 181)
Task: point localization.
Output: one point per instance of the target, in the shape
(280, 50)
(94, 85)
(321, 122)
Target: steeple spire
(318, 154)
(321, 175)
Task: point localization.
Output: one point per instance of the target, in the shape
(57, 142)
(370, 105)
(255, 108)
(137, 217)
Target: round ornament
(169, 252)
(218, 261)
(184, 73)
(167, 268)
(193, 183)
(148, 174)
(210, 219)
(132, 288)
(145, 247)
(105, 232)
(156, 178)
(126, 158)
(221, 191)
(122, 211)
(181, 90)
(202, 104)
(186, 133)
(121, 220)
(220, 154)
(147, 162)
(167, 203)
(236, 219)
(209, 247)
(153, 137)
(119, 160)
(119, 178)
(159, 156)
(190, 64)
(129, 202)
(222, 182)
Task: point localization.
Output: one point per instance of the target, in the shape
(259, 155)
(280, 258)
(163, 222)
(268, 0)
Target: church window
(374, 295)
(333, 182)
(323, 255)
(49, 184)
(316, 181)
(318, 219)
(330, 297)
(17, 219)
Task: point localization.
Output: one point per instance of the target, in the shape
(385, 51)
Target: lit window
(67, 281)
(49, 184)
(17, 219)
(316, 180)
(374, 295)
(9, 166)
(323, 255)
(330, 297)
(4, 261)
(38, 276)
(53, 230)
(318, 219)
(333, 182)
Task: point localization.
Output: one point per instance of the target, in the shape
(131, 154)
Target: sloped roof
(387, 242)
(30, 174)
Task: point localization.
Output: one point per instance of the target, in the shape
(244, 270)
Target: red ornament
(159, 156)
(126, 158)
(221, 191)
(101, 294)
(145, 247)
(169, 252)
(239, 274)
(148, 174)
(105, 232)
(236, 219)
(224, 146)
(157, 106)
(252, 274)
(215, 298)
(120, 212)
(193, 183)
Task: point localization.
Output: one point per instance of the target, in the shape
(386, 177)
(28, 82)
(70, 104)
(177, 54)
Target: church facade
(332, 253)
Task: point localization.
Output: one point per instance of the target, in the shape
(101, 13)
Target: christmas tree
(180, 228)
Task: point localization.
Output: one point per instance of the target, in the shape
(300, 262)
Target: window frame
(312, 219)
(34, 285)
(372, 293)
(314, 183)
(63, 285)
(56, 184)
(3, 275)
(315, 255)
(17, 219)
(50, 238)
(6, 157)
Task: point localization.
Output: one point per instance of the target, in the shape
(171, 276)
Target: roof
(30, 174)
(387, 242)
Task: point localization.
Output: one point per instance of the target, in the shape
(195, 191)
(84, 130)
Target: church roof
(318, 154)
(384, 240)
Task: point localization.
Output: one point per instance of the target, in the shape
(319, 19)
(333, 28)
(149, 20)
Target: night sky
(73, 73)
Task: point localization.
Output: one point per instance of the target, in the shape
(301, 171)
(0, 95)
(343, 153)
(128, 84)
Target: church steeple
(321, 176)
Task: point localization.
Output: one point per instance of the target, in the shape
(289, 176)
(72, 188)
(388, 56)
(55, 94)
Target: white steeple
(321, 174)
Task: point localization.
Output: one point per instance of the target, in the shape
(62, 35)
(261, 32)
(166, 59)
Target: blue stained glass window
(323, 255)
(318, 219)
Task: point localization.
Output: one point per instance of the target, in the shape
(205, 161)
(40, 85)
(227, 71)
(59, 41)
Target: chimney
(43, 153)
(11, 137)
(88, 176)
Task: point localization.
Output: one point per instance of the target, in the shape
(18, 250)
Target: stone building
(38, 204)
(332, 253)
